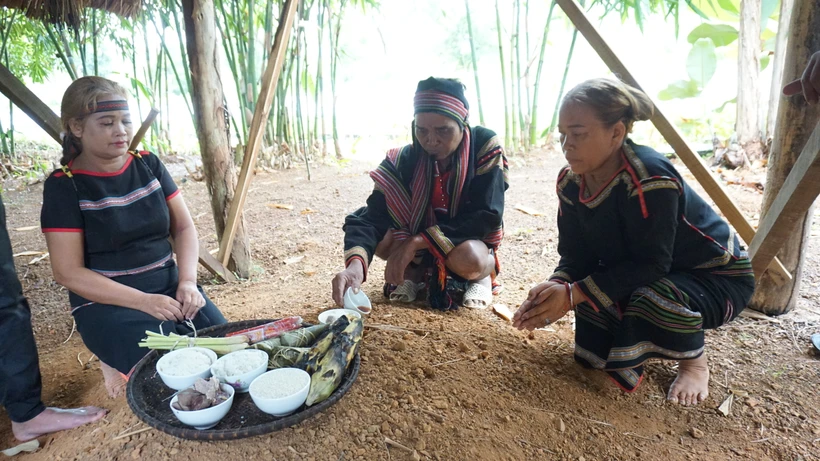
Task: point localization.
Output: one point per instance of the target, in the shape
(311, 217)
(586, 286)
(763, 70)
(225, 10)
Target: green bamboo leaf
(697, 10)
(681, 89)
(729, 6)
(719, 34)
(702, 61)
(723, 106)
(764, 61)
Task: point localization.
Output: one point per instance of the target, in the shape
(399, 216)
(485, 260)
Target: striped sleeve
(61, 209)
(169, 188)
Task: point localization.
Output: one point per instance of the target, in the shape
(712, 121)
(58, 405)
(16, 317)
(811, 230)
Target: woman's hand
(809, 84)
(400, 258)
(161, 307)
(545, 304)
(190, 299)
(351, 277)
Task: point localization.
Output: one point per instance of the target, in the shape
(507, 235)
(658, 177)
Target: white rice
(278, 385)
(185, 363)
(238, 363)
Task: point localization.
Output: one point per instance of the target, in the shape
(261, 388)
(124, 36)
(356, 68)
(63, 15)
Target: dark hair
(613, 101)
(79, 100)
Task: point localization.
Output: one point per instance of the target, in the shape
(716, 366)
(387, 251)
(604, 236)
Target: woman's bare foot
(54, 420)
(114, 381)
(691, 387)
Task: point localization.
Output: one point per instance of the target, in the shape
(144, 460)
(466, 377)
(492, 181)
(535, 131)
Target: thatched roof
(70, 11)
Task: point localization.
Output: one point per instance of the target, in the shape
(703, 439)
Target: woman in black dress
(107, 215)
(645, 262)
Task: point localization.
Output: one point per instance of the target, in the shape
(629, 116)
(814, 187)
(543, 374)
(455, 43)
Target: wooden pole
(260, 116)
(28, 102)
(146, 124)
(687, 155)
(795, 197)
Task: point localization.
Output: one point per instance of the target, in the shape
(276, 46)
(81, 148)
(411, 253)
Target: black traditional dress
(656, 264)
(125, 222)
(412, 197)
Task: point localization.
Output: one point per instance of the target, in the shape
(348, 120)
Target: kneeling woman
(107, 215)
(647, 263)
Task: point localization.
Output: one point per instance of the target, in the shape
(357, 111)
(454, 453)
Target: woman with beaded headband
(645, 262)
(107, 217)
(436, 213)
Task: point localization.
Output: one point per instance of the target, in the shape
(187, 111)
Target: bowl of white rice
(240, 368)
(281, 391)
(179, 369)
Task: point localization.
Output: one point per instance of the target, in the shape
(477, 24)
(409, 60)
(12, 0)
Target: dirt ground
(468, 386)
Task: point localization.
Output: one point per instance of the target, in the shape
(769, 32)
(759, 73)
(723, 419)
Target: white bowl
(178, 382)
(209, 417)
(242, 381)
(287, 404)
(329, 316)
(358, 302)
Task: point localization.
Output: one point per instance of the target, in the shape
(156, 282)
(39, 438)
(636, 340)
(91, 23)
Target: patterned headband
(442, 103)
(110, 106)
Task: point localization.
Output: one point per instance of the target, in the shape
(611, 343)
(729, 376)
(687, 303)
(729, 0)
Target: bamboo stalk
(503, 77)
(513, 119)
(534, 112)
(475, 62)
(554, 120)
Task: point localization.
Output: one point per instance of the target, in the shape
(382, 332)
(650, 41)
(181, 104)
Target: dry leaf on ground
(528, 210)
(279, 206)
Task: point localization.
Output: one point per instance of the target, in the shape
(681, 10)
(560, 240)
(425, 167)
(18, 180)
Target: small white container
(209, 417)
(180, 382)
(358, 302)
(241, 382)
(330, 316)
(287, 404)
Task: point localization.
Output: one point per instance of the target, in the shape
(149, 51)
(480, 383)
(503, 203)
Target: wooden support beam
(687, 155)
(28, 102)
(146, 124)
(213, 265)
(260, 116)
(797, 195)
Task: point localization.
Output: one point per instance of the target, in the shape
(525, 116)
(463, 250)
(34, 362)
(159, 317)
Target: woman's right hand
(161, 307)
(536, 296)
(351, 277)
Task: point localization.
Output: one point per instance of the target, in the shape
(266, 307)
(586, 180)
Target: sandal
(477, 296)
(406, 292)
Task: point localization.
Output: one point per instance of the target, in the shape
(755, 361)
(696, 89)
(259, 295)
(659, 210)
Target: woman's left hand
(554, 307)
(191, 299)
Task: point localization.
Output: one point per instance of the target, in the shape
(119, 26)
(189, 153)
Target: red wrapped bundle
(269, 330)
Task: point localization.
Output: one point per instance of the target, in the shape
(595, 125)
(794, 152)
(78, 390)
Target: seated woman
(107, 215)
(647, 264)
(436, 212)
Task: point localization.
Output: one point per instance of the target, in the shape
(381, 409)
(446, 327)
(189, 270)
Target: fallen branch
(439, 418)
(395, 444)
(129, 434)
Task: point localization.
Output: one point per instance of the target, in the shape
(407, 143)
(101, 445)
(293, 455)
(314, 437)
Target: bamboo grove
(303, 121)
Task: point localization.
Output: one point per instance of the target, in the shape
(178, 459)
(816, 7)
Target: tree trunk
(777, 63)
(513, 117)
(795, 122)
(748, 83)
(503, 78)
(475, 63)
(209, 112)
